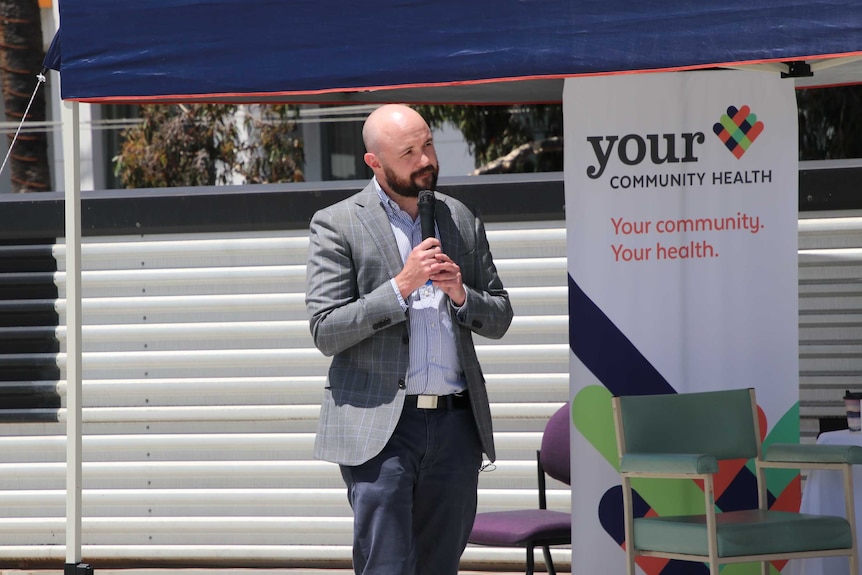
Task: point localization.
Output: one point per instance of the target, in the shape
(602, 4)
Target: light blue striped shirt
(434, 367)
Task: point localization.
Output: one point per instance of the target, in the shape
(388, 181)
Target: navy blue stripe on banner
(607, 352)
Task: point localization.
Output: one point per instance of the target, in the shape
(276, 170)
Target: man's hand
(427, 261)
(446, 275)
(419, 267)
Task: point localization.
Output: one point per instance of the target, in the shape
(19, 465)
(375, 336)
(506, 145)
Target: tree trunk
(21, 57)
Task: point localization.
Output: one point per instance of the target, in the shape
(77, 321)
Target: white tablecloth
(824, 494)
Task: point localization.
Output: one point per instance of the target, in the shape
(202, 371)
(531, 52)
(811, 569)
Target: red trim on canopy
(296, 97)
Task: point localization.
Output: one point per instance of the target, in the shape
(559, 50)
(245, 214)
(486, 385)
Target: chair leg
(630, 559)
(530, 560)
(548, 560)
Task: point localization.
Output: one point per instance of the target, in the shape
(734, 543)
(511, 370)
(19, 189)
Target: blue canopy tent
(450, 51)
(446, 51)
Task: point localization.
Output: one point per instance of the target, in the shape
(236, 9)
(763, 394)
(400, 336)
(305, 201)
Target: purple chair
(540, 527)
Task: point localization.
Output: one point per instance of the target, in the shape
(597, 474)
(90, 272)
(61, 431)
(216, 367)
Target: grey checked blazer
(356, 318)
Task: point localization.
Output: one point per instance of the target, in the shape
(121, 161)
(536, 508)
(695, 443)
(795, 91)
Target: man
(405, 411)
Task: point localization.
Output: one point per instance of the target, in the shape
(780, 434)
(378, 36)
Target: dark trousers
(414, 503)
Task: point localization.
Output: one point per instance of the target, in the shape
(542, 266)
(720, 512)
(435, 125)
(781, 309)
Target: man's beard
(411, 188)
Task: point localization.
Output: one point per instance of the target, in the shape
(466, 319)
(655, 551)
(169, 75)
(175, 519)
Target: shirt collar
(391, 207)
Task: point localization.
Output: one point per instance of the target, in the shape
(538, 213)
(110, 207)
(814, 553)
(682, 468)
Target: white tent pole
(72, 178)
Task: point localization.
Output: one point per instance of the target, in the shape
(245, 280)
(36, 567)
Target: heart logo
(738, 129)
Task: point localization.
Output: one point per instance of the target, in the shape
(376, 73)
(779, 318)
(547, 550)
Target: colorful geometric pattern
(738, 129)
(623, 370)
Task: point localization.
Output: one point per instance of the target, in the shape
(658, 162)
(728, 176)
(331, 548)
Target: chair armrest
(796, 453)
(670, 463)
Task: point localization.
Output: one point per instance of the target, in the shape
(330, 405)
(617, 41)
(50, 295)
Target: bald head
(387, 123)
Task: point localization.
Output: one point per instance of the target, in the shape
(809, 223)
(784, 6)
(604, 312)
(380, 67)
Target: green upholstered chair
(685, 436)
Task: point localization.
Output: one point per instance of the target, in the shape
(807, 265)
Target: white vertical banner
(681, 206)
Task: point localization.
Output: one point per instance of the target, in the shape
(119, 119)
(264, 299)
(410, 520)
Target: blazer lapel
(374, 219)
(450, 239)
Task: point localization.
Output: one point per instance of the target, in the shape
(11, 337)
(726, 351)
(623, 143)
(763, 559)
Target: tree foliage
(21, 58)
(182, 145)
(278, 153)
(203, 145)
(493, 132)
(830, 123)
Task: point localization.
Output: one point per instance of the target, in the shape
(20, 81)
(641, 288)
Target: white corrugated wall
(201, 394)
(201, 391)
(830, 315)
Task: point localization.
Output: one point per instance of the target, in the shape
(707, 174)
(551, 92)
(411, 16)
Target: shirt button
(402, 384)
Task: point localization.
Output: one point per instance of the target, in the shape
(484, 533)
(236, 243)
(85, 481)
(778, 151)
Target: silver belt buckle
(426, 401)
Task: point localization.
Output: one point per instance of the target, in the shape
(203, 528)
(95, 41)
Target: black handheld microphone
(426, 213)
